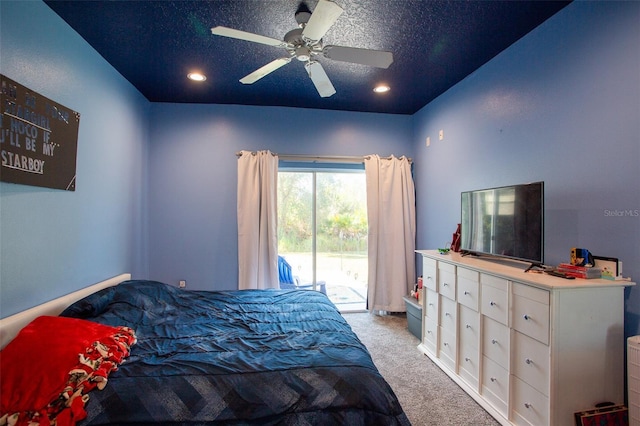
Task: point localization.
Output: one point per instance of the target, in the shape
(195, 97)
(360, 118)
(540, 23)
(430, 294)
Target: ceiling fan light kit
(305, 44)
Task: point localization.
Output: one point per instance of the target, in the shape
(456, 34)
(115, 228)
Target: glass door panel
(322, 232)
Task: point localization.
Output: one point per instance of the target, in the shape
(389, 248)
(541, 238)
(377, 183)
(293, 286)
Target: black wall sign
(38, 139)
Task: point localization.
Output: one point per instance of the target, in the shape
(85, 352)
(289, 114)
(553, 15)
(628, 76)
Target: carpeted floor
(427, 394)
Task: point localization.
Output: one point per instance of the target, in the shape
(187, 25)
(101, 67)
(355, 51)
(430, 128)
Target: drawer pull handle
(468, 326)
(467, 359)
(430, 304)
(527, 405)
(428, 331)
(493, 379)
(528, 361)
(430, 278)
(466, 293)
(494, 341)
(526, 317)
(445, 284)
(492, 303)
(447, 314)
(446, 344)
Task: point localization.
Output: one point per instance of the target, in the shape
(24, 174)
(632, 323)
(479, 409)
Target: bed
(233, 357)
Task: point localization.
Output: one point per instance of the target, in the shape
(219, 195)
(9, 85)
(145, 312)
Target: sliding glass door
(322, 232)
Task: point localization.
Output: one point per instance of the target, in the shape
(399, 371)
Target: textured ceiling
(435, 44)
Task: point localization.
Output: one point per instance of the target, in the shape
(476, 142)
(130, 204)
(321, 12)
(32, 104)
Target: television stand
(535, 265)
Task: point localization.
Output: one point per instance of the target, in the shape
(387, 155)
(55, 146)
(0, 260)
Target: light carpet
(427, 395)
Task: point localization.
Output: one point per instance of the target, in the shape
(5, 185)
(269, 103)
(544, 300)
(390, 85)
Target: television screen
(507, 221)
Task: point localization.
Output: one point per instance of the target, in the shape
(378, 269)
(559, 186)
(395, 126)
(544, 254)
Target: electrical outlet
(441, 135)
(183, 283)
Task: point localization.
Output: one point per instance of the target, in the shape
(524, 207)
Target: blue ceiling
(435, 44)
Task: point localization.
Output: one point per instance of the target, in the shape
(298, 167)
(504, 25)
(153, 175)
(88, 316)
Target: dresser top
(515, 271)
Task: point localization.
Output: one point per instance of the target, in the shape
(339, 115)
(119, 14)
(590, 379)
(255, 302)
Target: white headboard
(10, 326)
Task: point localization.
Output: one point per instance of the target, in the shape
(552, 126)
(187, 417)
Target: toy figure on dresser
(455, 241)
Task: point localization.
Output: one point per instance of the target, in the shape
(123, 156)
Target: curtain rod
(322, 158)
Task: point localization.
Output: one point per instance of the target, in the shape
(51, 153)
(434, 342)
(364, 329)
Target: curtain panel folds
(257, 220)
(392, 232)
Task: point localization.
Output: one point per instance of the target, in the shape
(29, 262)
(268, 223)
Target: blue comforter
(235, 357)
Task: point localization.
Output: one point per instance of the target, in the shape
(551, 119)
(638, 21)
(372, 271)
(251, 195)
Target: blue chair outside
(289, 281)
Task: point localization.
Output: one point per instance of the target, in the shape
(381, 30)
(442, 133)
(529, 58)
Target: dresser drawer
(494, 302)
(448, 314)
(431, 335)
(468, 362)
(431, 304)
(493, 281)
(429, 269)
(531, 312)
(447, 280)
(533, 293)
(469, 326)
(529, 407)
(468, 287)
(495, 341)
(447, 348)
(495, 384)
(531, 362)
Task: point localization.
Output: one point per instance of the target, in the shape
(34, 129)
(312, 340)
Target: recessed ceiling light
(196, 76)
(381, 88)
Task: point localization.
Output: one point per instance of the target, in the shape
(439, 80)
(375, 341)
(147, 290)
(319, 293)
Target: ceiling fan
(305, 44)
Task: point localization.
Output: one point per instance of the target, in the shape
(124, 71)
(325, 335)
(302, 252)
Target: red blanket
(51, 365)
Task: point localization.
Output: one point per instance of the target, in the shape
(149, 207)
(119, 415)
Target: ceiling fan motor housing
(297, 45)
(302, 17)
(294, 37)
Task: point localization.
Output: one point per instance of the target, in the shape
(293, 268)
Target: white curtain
(392, 232)
(257, 220)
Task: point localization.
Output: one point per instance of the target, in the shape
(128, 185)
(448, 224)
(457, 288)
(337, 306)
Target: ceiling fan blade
(243, 35)
(262, 71)
(320, 79)
(356, 55)
(322, 18)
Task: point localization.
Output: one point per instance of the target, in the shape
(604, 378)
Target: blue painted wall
(561, 105)
(193, 175)
(54, 242)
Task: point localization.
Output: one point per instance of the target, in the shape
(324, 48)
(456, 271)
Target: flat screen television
(507, 221)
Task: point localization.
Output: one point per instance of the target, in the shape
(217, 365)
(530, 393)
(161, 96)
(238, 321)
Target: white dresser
(532, 349)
